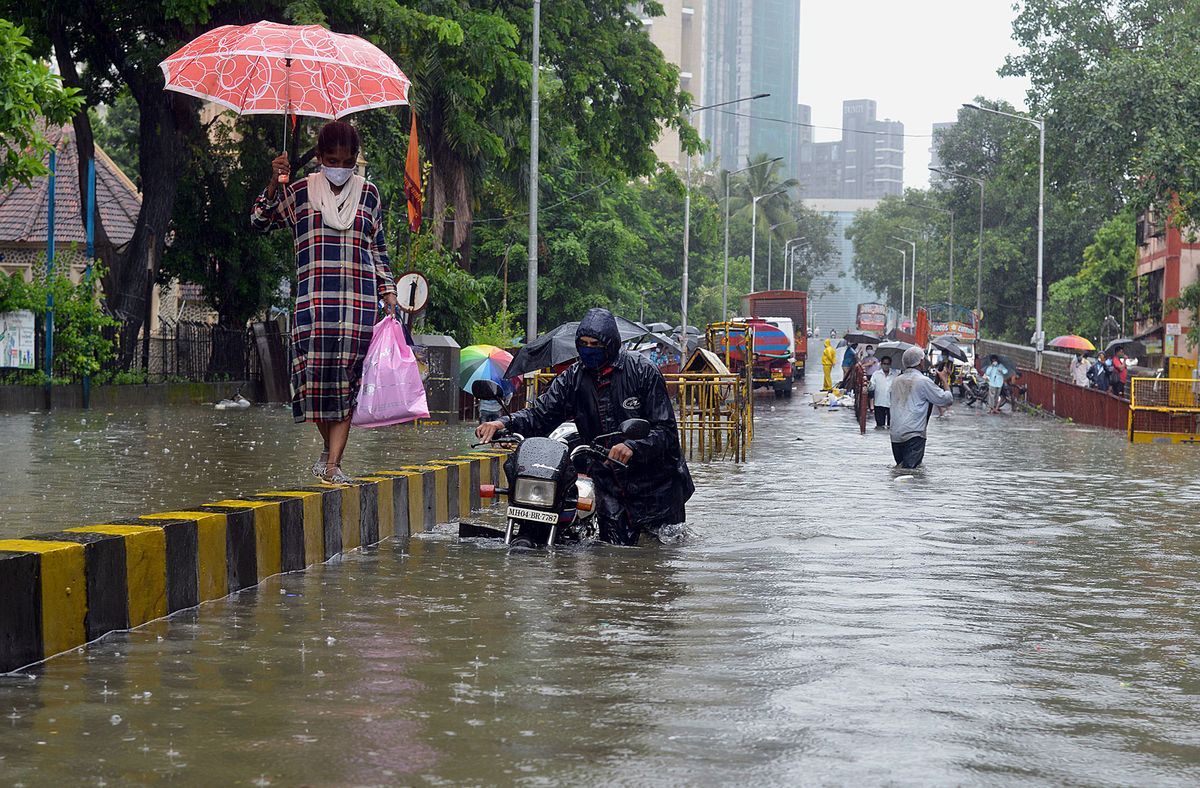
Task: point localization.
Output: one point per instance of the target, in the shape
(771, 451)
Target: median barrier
(63, 589)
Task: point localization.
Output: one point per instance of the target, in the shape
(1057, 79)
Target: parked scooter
(550, 499)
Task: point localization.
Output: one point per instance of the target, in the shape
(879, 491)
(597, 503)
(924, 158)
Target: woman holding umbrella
(342, 272)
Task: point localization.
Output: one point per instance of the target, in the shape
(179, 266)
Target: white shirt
(913, 396)
(881, 387)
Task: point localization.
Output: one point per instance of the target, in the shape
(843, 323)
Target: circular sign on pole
(412, 292)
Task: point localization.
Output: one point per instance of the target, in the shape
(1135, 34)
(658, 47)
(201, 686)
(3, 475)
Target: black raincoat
(652, 493)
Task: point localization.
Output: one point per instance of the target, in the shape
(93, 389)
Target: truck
(775, 305)
(771, 362)
(872, 318)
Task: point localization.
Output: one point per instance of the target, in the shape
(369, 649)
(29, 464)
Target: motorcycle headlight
(535, 492)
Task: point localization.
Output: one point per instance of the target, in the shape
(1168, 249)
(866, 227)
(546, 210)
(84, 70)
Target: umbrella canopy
(861, 338)
(273, 69)
(892, 349)
(658, 328)
(557, 346)
(1071, 342)
(484, 362)
(1132, 347)
(951, 348)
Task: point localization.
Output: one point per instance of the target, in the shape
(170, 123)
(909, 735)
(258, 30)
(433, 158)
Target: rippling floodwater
(130, 463)
(1021, 611)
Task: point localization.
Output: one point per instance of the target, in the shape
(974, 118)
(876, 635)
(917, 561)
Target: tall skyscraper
(834, 295)
(935, 152)
(751, 46)
(867, 163)
(679, 34)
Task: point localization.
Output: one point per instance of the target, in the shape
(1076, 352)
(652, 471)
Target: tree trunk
(166, 119)
(84, 142)
(437, 199)
(463, 214)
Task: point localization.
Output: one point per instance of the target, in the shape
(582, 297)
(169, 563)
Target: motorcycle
(551, 500)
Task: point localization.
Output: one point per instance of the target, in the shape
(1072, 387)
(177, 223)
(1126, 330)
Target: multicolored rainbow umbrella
(484, 362)
(1071, 342)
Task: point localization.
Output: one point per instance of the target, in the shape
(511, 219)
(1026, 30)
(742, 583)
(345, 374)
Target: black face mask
(592, 357)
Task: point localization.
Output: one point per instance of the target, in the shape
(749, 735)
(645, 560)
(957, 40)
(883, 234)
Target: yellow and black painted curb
(63, 589)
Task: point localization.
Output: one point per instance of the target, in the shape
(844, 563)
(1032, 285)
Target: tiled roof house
(23, 222)
(23, 209)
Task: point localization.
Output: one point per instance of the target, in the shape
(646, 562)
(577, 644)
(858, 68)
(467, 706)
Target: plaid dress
(340, 277)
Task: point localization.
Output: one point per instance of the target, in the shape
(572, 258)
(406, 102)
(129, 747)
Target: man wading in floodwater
(913, 398)
(601, 390)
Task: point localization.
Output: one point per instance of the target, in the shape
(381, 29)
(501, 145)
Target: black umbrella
(857, 338)
(951, 348)
(557, 346)
(894, 350)
(1132, 347)
(658, 328)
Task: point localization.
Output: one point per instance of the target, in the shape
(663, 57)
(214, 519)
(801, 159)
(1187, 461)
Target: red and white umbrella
(269, 68)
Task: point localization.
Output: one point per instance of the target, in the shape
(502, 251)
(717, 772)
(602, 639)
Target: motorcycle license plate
(521, 513)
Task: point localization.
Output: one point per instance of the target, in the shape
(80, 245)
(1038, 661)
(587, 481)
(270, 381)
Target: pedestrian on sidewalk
(995, 372)
(880, 389)
(1098, 373)
(913, 397)
(342, 274)
(1079, 370)
(1120, 373)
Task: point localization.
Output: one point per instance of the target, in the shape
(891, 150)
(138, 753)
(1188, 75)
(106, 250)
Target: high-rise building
(834, 295)
(751, 46)
(866, 164)
(679, 34)
(935, 152)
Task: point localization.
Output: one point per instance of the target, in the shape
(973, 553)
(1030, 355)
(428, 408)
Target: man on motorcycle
(604, 388)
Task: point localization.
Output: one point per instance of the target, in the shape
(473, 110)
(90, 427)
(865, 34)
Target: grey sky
(919, 59)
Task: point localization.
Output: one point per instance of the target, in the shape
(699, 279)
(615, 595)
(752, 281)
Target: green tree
(116, 132)
(1079, 303)
(31, 93)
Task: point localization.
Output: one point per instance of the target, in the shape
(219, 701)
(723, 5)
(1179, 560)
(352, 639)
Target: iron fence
(1082, 405)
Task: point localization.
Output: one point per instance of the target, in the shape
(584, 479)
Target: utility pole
(531, 306)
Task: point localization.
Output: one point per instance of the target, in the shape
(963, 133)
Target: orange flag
(412, 179)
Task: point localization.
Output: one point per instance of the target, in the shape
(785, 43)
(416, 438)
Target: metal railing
(1082, 405)
(715, 413)
(1164, 410)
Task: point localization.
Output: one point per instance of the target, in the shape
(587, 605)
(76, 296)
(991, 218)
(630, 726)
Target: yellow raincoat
(828, 359)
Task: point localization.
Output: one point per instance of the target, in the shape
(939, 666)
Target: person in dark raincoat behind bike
(604, 388)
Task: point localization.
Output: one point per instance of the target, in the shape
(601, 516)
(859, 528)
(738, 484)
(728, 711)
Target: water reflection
(1023, 609)
(161, 458)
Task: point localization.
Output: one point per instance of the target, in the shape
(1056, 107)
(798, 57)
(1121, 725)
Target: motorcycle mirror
(635, 428)
(486, 390)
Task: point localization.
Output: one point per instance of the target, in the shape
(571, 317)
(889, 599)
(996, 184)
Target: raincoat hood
(600, 324)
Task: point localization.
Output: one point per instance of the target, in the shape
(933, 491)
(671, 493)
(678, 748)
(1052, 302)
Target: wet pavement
(128, 463)
(1020, 611)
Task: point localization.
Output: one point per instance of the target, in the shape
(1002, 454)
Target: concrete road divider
(61, 590)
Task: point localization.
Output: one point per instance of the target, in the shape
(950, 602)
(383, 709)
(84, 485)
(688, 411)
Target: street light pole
(978, 271)
(903, 274)
(725, 285)
(912, 290)
(1039, 338)
(754, 229)
(912, 296)
(687, 206)
(770, 242)
(791, 252)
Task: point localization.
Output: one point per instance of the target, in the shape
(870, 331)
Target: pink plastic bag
(391, 392)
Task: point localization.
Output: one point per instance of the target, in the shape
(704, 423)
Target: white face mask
(337, 175)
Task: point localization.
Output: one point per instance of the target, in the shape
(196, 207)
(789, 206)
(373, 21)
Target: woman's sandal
(337, 477)
(318, 469)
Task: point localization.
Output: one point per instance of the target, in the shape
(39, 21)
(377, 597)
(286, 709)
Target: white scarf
(337, 210)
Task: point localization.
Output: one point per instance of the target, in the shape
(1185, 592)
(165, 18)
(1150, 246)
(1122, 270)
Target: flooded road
(162, 458)
(1021, 610)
